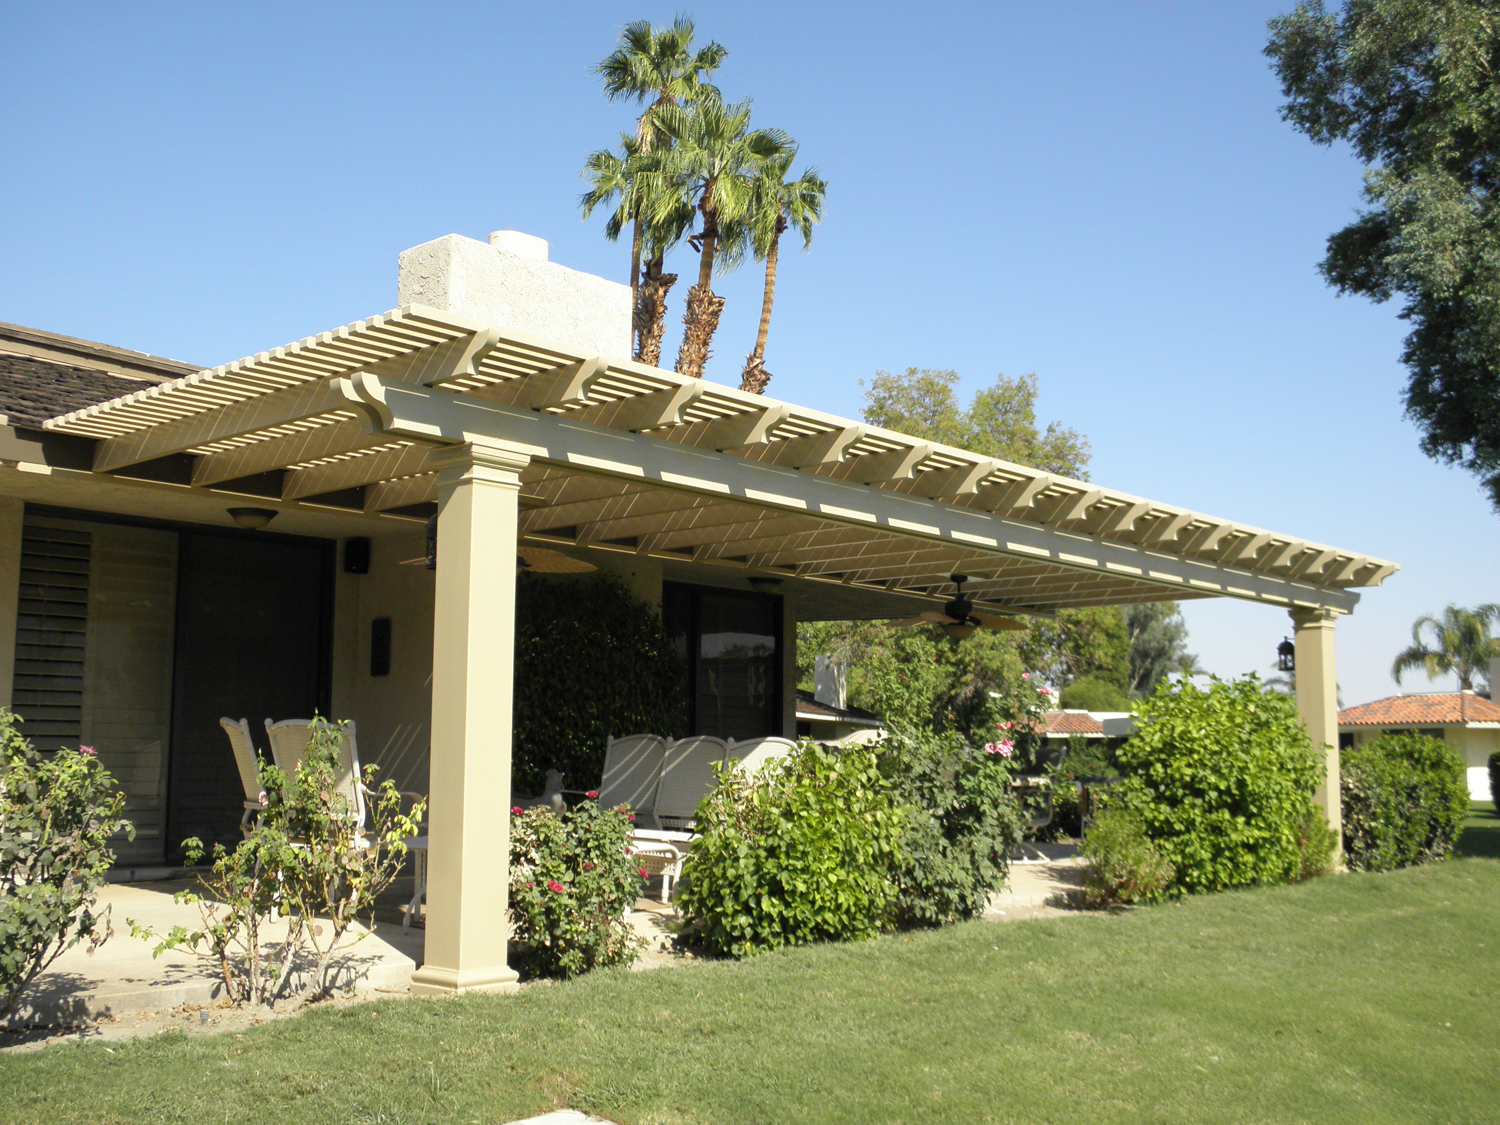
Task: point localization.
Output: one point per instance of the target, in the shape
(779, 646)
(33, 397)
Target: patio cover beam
(438, 417)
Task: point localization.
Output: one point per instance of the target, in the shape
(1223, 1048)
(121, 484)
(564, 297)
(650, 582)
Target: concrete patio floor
(123, 979)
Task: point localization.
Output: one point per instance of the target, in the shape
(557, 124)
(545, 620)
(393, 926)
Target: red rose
(592, 794)
(516, 810)
(556, 887)
(643, 874)
(631, 818)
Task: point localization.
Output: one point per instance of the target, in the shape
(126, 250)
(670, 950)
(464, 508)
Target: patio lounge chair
(756, 752)
(248, 763)
(687, 776)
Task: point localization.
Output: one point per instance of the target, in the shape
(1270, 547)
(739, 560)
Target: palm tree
(1463, 645)
(777, 203)
(658, 64)
(633, 182)
(714, 157)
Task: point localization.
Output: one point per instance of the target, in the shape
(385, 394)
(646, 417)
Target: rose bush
(573, 880)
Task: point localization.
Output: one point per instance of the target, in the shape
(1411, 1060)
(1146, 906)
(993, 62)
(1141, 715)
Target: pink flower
(88, 751)
(1045, 690)
(1004, 726)
(516, 810)
(592, 794)
(643, 874)
(629, 851)
(555, 887)
(631, 818)
(1005, 747)
(1025, 675)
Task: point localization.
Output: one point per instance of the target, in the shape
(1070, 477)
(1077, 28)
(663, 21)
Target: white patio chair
(248, 763)
(756, 752)
(289, 739)
(687, 776)
(632, 773)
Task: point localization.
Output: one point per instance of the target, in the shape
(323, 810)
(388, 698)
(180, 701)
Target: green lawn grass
(1359, 998)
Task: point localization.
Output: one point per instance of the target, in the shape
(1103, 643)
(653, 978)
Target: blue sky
(1102, 194)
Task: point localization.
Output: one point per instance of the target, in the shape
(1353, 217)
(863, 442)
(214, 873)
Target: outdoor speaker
(357, 555)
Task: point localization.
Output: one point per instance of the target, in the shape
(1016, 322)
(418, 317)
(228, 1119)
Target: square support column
(473, 674)
(1317, 700)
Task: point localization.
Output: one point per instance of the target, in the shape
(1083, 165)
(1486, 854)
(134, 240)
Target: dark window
(1346, 740)
(731, 643)
(1432, 732)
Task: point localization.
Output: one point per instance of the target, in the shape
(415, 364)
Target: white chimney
(508, 282)
(828, 682)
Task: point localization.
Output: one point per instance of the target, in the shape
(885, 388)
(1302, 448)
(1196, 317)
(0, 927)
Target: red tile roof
(1422, 710)
(1071, 722)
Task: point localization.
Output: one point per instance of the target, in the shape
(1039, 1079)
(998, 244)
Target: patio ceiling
(627, 457)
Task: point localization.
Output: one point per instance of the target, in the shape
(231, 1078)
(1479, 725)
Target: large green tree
(1157, 635)
(1411, 85)
(1000, 421)
(659, 67)
(1461, 644)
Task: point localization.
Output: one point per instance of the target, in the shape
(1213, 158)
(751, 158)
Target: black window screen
(732, 645)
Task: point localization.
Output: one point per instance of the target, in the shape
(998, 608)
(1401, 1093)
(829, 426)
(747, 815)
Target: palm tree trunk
(635, 279)
(650, 320)
(755, 376)
(700, 320)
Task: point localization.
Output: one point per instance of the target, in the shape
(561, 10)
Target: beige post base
(1317, 701)
(473, 673)
(450, 982)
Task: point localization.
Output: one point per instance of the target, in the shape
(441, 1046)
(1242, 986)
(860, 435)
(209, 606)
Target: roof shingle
(33, 390)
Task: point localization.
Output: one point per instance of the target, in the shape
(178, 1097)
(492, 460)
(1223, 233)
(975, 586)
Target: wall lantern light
(1286, 656)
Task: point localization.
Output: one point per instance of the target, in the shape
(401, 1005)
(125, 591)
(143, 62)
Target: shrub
(307, 860)
(963, 822)
(1221, 781)
(57, 813)
(808, 849)
(1316, 844)
(572, 885)
(591, 661)
(1123, 866)
(1494, 764)
(1405, 797)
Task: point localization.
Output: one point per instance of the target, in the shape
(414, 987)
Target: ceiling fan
(958, 618)
(537, 560)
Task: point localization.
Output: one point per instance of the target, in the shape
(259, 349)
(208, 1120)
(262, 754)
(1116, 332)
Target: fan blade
(414, 562)
(999, 624)
(539, 560)
(905, 622)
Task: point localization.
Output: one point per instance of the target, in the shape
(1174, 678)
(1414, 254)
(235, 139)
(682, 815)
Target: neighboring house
(1469, 723)
(824, 714)
(1107, 727)
(178, 545)
(823, 722)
